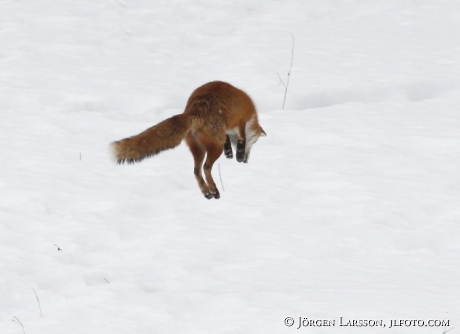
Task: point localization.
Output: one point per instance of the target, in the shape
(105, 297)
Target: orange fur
(216, 114)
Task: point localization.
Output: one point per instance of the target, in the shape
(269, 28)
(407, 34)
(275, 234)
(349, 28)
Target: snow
(348, 208)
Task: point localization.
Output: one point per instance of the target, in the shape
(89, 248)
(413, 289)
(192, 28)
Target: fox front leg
(240, 150)
(228, 148)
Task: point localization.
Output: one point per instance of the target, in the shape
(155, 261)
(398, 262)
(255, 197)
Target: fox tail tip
(114, 153)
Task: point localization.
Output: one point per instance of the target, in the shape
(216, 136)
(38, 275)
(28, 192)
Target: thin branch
(16, 320)
(59, 249)
(281, 80)
(220, 176)
(106, 280)
(38, 300)
(289, 72)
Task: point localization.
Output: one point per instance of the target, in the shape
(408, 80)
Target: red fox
(217, 116)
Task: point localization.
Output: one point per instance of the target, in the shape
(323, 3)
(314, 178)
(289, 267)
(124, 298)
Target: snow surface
(350, 207)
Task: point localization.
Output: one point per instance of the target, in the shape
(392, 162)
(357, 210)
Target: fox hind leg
(198, 153)
(213, 153)
(214, 146)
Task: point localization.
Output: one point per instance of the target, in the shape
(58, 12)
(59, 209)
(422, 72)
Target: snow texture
(350, 207)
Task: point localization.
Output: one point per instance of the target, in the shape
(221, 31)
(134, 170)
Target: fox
(217, 116)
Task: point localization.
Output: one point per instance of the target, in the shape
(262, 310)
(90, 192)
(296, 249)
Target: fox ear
(262, 133)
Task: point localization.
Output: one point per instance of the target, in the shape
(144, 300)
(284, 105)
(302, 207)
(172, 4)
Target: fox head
(253, 132)
(252, 135)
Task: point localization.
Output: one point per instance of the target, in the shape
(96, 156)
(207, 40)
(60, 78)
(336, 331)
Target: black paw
(208, 195)
(240, 150)
(229, 155)
(216, 194)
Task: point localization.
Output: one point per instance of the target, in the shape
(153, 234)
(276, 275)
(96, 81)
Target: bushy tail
(163, 136)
